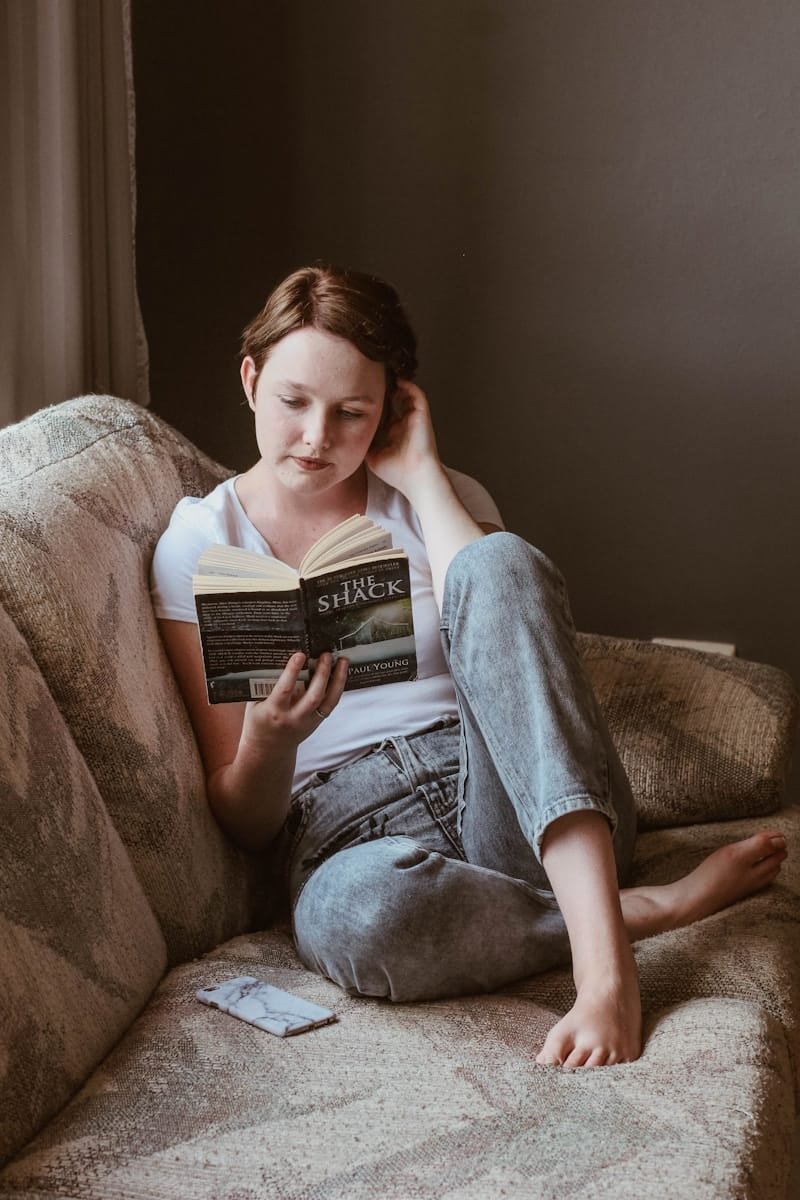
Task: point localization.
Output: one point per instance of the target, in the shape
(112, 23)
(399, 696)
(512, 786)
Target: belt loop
(404, 758)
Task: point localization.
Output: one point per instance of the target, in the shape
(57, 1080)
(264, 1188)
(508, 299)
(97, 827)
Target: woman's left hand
(409, 447)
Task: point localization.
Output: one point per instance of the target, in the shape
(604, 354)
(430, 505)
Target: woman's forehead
(310, 358)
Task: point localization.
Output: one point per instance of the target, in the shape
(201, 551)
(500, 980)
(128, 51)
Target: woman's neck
(291, 523)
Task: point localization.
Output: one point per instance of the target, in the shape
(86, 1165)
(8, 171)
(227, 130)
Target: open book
(351, 595)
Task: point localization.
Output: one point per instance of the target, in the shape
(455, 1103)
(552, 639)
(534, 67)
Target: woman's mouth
(311, 464)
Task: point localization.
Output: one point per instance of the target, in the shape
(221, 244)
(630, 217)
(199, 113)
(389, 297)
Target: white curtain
(69, 313)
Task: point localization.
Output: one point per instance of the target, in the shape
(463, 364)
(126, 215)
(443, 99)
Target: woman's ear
(249, 376)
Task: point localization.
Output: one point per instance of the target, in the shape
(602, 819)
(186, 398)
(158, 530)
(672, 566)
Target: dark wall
(593, 213)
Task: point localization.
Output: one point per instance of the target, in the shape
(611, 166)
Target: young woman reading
(464, 829)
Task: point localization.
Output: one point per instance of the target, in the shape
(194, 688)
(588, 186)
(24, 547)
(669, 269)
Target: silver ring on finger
(320, 713)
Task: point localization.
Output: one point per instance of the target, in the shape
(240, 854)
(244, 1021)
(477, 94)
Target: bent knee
(501, 558)
(355, 921)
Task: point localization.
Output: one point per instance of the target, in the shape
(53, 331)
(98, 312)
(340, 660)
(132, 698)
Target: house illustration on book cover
(377, 639)
(376, 628)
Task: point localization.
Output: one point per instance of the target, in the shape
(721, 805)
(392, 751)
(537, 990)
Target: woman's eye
(350, 415)
(291, 401)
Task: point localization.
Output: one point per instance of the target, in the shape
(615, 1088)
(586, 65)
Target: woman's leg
(604, 1025)
(535, 745)
(394, 919)
(383, 900)
(545, 797)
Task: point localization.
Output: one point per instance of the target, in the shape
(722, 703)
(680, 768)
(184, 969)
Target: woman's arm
(249, 750)
(409, 461)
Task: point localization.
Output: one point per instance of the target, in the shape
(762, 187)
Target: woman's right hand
(290, 714)
(249, 750)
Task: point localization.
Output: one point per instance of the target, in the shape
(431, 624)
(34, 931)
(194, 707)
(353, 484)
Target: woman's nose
(317, 434)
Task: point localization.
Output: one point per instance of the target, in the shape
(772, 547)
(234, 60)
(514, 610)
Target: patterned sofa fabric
(702, 737)
(443, 1101)
(87, 487)
(80, 948)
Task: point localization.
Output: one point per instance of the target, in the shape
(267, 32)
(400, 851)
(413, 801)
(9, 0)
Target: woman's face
(318, 403)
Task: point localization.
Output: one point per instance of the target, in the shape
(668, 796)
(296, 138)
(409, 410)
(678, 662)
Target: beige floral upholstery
(443, 1101)
(80, 949)
(87, 487)
(703, 737)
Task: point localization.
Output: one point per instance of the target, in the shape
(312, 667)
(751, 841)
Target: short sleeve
(475, 498)
(175, 561)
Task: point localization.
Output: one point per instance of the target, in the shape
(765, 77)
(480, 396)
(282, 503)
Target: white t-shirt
(364, 716)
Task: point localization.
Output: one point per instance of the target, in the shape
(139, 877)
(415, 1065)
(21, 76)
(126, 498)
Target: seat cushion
(703, 737)
(80, 948)
(87, 487)
(443, 1101)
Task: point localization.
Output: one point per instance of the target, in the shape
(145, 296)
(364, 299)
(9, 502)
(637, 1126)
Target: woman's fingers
(285, 691)
(327, 685)
(336, 683)
(292, 703)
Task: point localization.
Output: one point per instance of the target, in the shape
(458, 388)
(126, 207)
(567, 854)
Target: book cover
(253, 612)
(246, 639)
(364, 615)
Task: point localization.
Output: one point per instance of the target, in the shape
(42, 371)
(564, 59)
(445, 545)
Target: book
(351, 595)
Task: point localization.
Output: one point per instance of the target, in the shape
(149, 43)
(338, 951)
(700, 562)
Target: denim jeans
(415, 871)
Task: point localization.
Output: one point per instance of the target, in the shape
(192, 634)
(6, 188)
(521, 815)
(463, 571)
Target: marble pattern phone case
(265, 1006)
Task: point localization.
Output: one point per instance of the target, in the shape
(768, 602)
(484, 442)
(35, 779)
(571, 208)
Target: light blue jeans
(415, 871)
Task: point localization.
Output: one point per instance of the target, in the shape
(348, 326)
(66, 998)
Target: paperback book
(351, 595)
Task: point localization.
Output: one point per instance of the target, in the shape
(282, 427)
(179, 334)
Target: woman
(465, 829)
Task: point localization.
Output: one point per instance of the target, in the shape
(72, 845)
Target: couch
(120, 897)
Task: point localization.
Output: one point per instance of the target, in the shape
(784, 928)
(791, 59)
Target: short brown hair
(360, 308)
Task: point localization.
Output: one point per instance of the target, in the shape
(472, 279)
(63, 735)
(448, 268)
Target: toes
(549, 1056)
(557, 1047)
(544, 1059)
(766, 869)
(765, 845)
(577, 1058)
(599, 1058)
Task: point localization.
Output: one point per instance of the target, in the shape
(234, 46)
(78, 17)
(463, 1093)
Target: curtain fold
(69, 312)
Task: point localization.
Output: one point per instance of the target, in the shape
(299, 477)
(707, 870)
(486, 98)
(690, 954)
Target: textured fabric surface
(443, 1101)
(80, 949)
(703, 737)
(87, 487)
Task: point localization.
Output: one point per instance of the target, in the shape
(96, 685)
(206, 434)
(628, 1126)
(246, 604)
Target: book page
(232, 560)
(351, 538)
(206, 585)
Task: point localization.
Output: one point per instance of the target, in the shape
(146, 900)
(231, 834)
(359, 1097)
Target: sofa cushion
(703, 737)
(80, 948)
(87, 487)
(444, 1101)
(440, 1103)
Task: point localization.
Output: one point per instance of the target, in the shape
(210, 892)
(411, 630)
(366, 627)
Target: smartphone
(265, 1006)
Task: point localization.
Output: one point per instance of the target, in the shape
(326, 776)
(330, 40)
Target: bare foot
(604, 1026)
(729, 874)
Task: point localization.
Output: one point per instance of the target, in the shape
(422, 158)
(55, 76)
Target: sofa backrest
(702, 737)
(86, 488)
(80, 948)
